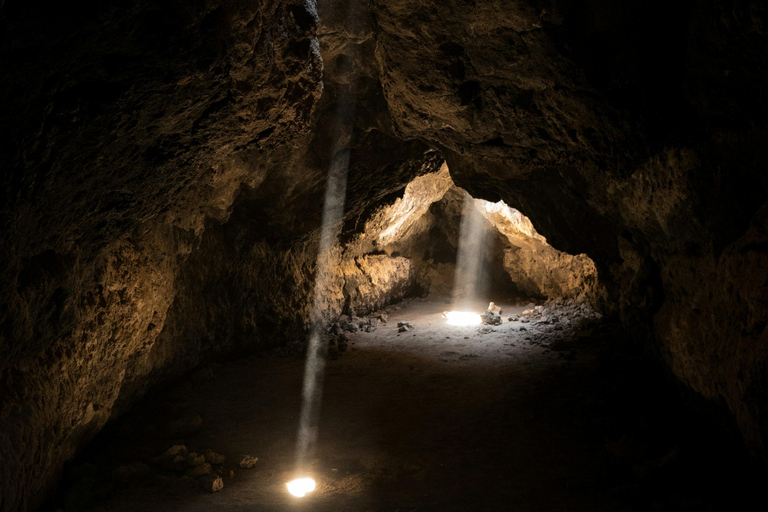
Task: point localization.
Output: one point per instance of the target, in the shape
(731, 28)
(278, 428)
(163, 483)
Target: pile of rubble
(208, 468)
(337, 340)
(134, 465)
(557, 311)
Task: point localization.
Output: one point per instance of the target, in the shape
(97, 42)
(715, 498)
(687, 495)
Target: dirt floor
(556, 415)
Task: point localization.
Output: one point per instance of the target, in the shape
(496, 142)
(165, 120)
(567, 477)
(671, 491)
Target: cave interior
(235, 234)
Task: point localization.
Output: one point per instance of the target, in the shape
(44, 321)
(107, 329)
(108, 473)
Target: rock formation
(164, 164)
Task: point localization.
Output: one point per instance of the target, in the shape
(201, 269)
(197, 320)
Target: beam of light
(462, 318)
(301, 487)
(325, 272)
(468, 281)
(314, 366)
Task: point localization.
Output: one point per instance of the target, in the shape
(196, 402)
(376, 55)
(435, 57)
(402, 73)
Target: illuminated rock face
(163, 170)
(125, 130)
(621, 134)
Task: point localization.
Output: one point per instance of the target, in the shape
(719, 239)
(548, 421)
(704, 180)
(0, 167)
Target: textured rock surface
(632, 136)
(535, 267)
(424, 226)
(121, 126)
(373, 281)
(163, 168)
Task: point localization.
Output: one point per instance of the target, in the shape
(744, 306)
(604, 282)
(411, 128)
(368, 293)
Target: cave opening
(418, 411)
(164, 173)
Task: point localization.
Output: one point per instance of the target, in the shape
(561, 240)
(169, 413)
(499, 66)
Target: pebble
(212, 483)
(214, 458)
(247, 462)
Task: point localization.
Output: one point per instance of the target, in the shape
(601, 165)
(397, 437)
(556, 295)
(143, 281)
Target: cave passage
(544, 408)
(519, 249)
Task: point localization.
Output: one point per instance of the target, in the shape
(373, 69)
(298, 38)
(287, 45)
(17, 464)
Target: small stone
(177, 463)
(177, 449)
(349, 326)
(404, 326)
(247, 462)
(174, 458)
(212, 483)
(214, 458)
(195, 459)
(491, 317)
(199, 470)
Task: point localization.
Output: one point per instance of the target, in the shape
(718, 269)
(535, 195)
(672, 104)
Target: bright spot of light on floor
(463, 318)
(301, 486)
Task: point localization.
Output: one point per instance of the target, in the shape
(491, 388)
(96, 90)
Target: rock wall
(536, 268)
(424, 226)
(634, 132)
(164, 167)
(121, 134)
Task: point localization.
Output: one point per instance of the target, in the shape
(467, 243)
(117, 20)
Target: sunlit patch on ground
(301, 487)
(462, 318)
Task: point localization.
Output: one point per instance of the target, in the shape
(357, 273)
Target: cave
(237, 235)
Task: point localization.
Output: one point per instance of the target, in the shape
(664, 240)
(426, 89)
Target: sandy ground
(440, 418)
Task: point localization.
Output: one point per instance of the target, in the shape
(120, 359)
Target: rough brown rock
(622, 134)
(164, 166)
(120, 135)
(212, 483)
(247, 461)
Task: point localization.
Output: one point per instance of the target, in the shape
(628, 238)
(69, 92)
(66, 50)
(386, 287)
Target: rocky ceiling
(163, 167)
